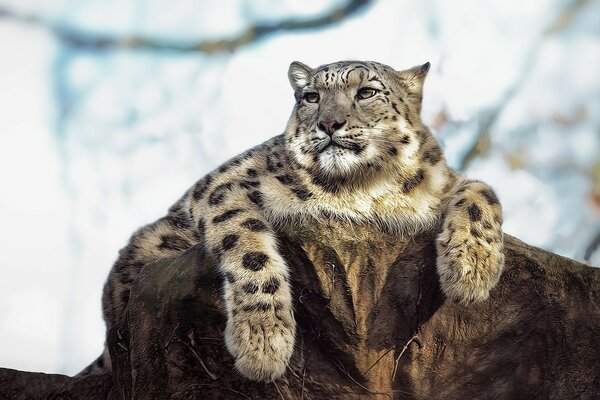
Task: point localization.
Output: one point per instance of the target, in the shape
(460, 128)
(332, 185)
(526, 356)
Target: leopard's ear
(413, 78)
(299, 75)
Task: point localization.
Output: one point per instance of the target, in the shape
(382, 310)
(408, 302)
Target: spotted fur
(354, 150)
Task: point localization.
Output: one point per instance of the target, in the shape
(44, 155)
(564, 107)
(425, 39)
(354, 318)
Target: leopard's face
(352, 119)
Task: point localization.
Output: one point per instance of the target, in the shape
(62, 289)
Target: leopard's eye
(365, 93)
(311, 97)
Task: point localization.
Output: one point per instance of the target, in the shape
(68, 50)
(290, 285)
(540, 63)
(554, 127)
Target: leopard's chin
(339, 162)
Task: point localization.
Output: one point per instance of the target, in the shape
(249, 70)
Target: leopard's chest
(382, 207)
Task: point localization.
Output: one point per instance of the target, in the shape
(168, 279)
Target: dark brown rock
(372, 323)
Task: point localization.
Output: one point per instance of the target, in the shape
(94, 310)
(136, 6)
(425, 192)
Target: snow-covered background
(110, 109)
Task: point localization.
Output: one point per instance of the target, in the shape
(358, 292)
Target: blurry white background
(111, 109)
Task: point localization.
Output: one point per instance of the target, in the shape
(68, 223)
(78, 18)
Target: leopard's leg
(470, 249)
(260, 330)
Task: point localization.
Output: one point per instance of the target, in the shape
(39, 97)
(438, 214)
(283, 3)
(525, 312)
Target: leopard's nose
(329, 127)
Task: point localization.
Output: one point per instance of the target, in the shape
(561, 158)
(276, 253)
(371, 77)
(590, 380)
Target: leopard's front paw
(470, 249)
(468, 272)
(262, 341)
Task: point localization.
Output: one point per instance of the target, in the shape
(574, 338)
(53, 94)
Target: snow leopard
(354, 150)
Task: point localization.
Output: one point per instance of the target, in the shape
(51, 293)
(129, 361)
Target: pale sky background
(97, 142)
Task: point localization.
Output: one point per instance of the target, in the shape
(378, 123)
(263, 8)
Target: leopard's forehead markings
(346, 74)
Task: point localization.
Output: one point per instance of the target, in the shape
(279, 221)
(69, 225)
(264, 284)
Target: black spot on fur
(226, 215)
(229, 241)
(201, 188)
(201, 228)
(176, 208)
(256, 198)
(490, 196)
(172, 242)
(218, 195)
(251, 173)
(413, 182)
(286, 179)
(475, 233)
(474, 212)
(405, 139)
(230, 278)
(250, 288)
(271, 286)
(254, 225)
(302, 194)
(423, 137)
(433, 155)
(392, 151)
(179, 221)
(233, 162)
(355, 147)
(255, 260)
(329, 184)
(249, 184)
(461, 202)
(273, 164)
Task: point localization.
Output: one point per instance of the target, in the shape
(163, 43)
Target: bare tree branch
(482, 143)
(85, 40)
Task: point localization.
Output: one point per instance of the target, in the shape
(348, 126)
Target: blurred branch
(565, 18)
(592, 247)
(482, 143)
(85, 40)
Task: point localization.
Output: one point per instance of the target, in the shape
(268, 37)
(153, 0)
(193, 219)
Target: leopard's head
(353, 119)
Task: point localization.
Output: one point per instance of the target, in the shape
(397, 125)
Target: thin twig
(216, 339)
(377, 362)
(304, 368)
(171, 336)
(400, 355)
(341, 368)
(278, 390)
(212, 376)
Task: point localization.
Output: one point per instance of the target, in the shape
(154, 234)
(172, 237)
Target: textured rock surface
(372, 324)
